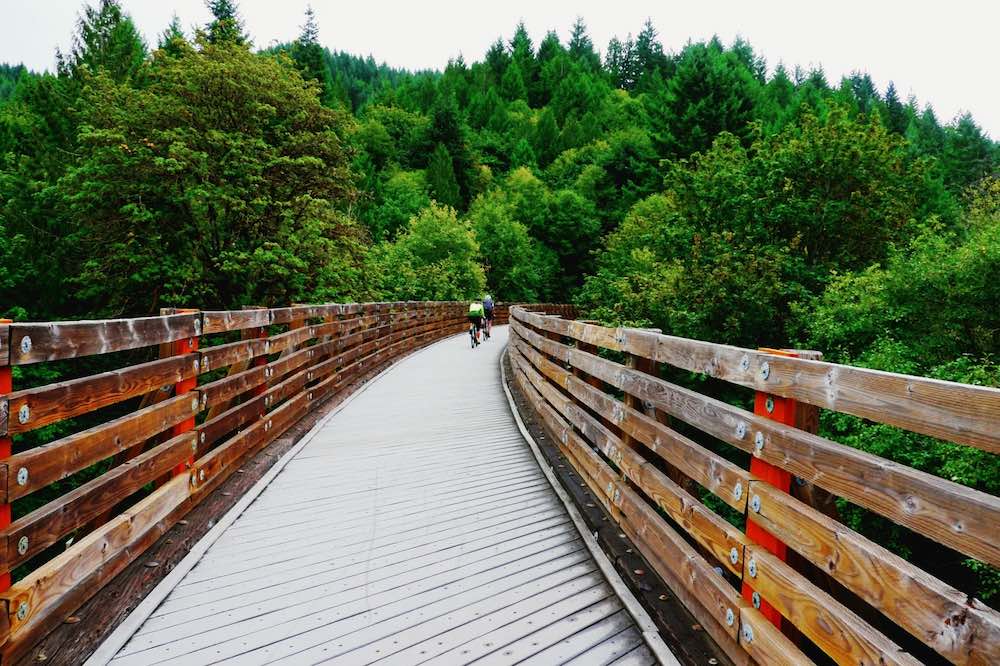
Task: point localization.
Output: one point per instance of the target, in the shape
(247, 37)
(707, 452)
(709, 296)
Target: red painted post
(782, 410)
(6, 445)
(185, 346)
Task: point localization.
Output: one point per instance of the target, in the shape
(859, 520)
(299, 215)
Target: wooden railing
(617, 423)
(153, 438)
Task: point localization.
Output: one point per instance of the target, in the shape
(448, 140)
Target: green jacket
(476, 310)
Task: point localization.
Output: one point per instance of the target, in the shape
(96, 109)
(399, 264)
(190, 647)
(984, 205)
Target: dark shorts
(489, 315)
(478, 321)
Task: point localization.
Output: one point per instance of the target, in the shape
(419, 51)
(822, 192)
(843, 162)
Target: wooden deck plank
(434, 536)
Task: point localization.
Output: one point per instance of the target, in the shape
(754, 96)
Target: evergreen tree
(581, 48)
(546, 138)
(172, 41)
(441, 178)
(549, 48)
(512, 87)
(226, 26)
(895, 113)
(522, 155)
(711, 91)
(105, 39)
(649, 56)
(308, 57)
(497, 60)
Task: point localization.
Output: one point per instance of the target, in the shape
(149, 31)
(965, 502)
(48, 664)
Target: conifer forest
(692, 187)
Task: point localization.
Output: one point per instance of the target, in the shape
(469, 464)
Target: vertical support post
(6, 443)
(185, 346)
(788, 412)
(259, 332)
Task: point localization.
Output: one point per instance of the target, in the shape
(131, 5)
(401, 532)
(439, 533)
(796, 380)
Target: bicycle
(474, 334)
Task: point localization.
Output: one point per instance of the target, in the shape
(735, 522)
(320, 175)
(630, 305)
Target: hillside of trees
(687, 187)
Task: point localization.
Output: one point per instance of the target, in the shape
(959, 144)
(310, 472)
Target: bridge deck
(413, 526)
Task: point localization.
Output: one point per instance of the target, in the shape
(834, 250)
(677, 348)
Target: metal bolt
(309, 397)
(748, 633)
(22, 610)
(190, 342)
(197, 326)
(22, 545)
(22, 476)
(745, 363)
(202, 437)
(755, 503)
(618, 496)
(765, 370)
(758, 441)
(738, 490)
(204, 365)
(269, 423)
(194, 480)
(201, 474)
(752, 567)
(769, 404)
(194, 404)
(23, 414)
(734, 555)
(730, 617)
(26, 344)
(756, 599)
(741, 430)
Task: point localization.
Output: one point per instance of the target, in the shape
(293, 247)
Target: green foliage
(107, 40)
(434, 259)
(226, 26)
(217, 183)
(441, 178)
(518, 267)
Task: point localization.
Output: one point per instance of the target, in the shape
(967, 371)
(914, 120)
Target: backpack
(488, 304)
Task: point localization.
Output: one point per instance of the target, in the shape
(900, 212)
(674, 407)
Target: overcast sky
(945, 53)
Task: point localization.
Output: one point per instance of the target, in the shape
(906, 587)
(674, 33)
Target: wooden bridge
(413, 507)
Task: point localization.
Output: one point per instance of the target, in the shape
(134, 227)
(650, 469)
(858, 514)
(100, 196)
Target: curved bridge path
(412, 525)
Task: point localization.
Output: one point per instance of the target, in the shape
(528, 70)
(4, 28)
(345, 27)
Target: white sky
(945, 53)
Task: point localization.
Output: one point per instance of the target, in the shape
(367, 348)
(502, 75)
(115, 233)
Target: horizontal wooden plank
(50, 341)
(960, 413)
(765, 644)
(57, 460)
(960, 517)
(959, 628)
(44, 591)
(707, 528)
(43, 527)
(221, 356)
(219, 321)
(842, 635)
(63, 400)
(721, 477)
(227, 388)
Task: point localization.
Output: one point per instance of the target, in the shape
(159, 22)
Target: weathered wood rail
(204, 391)
(617, 424)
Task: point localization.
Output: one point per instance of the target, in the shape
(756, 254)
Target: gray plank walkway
(415, 526)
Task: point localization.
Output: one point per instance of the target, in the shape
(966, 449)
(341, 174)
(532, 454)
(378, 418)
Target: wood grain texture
(221, 356)
(50, 341)
(959, 628)
(842, 635)
(75, 574)
(219, 321)
(711, 471)
(706, 527)
(55, 461)
(960, 517)
(63, 400)
(960, 413)
(45, 526)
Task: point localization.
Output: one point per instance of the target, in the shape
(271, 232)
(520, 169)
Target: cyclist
(476, 317)
(488, 314)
